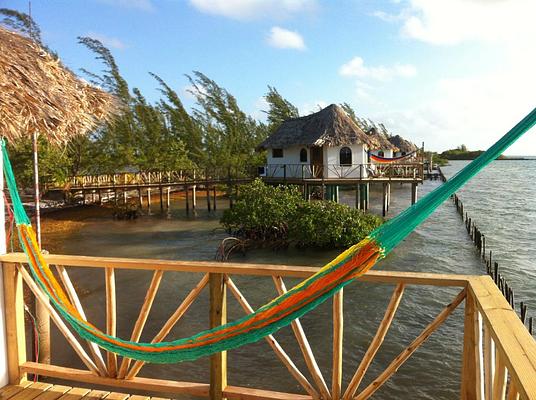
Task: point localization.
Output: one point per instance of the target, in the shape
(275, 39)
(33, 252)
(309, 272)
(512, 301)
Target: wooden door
(317, 161)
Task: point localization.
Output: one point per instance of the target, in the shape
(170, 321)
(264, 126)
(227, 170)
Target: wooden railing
(499, 355)
(370, 171)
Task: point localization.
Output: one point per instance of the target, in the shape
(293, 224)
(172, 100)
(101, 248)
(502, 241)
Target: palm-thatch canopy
(330, 126)
(38, 94)
(381, 139)
(404, 145)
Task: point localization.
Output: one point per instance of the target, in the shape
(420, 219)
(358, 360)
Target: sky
(441, 72)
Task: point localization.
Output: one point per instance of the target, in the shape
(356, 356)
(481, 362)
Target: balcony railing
(498, 354)
(371, 171)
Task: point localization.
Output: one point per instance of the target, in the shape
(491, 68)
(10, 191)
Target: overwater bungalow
(403, 146)
(497, 356)
(383, 147)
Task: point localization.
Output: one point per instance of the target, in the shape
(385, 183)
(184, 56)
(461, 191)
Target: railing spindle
(73, 296)
(218, 317)
(172, 321)
(338, 335)
(408, 351)
(71, 339)
(376, 342)
(471, 368)
(111, 318)
(274, 344)
(500, 379)
(305, 347)
(142, 317)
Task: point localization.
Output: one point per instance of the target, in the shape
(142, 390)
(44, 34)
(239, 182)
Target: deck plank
(96, 395)
(32, 391)
(117, 396)
(9, 391)
(53, 393)
(75, 394)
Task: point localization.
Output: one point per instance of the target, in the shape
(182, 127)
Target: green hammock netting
(281, 311)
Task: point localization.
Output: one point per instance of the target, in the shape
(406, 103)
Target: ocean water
(501, 200)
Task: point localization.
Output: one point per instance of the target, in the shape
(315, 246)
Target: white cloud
(285, 39)
(356, 68)
(455, 21)
(108, 41)
(253, 9)
(473, 110)
(143, 5)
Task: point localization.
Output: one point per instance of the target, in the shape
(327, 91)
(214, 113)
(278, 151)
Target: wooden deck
(47, 391)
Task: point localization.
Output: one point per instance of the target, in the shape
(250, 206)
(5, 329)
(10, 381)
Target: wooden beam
(71, 339)
(408, 351)
(75, 300)
(305, 347)
(500, 379)
(274, 344)
(388, 277)
(338, 335)
(471, 368)
(142, 318)
(14, 319)
(489, 363)
(171, 322)
(376, 342)
(145, 384)
(111, 318)
(241, 393)
(217, 317)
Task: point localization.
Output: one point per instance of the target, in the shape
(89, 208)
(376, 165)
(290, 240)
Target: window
(381, 153)
(345, 156)
(277, 153)
(403, 153)
(303, 155)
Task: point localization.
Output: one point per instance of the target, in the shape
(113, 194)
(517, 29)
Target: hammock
(281, 311)
(387, 160)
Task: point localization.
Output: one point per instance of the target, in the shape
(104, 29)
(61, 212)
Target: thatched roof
(38, 94)
(382, 142)
(330, 126)
(403, 144)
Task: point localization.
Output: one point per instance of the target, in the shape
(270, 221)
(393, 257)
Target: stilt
(306, 191)
(194, 197)
(168, 197)
(384, 200)
(149, 199)
(140, 198)
(208, 198)
(214, 202)
(414, 187)
(125, 195)
(367, 196)
(187, 197)
(230, 196)
(357, 197)
(161, 189)
(388, 195)
(100, 196)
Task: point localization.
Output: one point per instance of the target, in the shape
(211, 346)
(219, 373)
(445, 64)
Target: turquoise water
(439, 245)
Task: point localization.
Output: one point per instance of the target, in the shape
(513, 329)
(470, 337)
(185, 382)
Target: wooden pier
(498, 355)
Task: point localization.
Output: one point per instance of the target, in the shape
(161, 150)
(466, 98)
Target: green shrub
(267, 213)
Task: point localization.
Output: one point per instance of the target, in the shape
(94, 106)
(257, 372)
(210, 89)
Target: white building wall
(333, 167)
(291, 160)
(386, 153)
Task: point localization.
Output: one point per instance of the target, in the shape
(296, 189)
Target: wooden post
(338, 321)
(388, 195)
(161, 197)
(472, 387)
(367, 196)
(111, 317)
(414, 187)
(149, 199)
(208, 198)
(384, 200)
(218, 316)
(14, 320)
(214, 202)
(194, 197)
(168, 195)
(140, 197)
(357, 197)
(187, 198)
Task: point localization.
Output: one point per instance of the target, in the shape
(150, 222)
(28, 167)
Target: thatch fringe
(38, 94)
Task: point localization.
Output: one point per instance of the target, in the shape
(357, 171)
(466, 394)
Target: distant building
(383, 147)
(404, 146)
(325, 144)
